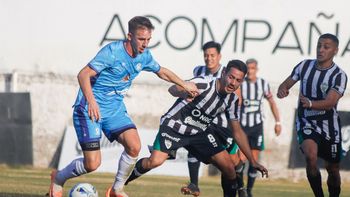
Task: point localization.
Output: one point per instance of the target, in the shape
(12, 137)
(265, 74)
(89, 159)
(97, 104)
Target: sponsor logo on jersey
(170, 137)
(308, 113)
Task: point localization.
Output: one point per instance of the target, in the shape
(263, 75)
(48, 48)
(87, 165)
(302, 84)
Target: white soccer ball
(83, 190)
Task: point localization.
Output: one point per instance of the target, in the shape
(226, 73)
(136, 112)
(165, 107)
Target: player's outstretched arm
(283, 89)
(170, 76)
(242, 141)
(84, 81)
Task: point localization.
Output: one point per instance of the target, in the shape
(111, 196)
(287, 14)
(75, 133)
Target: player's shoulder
(198, 70)
(340, 69)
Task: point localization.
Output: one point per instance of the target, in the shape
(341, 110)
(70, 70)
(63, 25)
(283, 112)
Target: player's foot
(111, 193)
(54, 191)
(190, 189)
(242, 192)
(249, 192)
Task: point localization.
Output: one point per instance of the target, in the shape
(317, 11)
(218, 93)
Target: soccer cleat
(242, 192)
(190, 189)
(110, 193)
(53, 193)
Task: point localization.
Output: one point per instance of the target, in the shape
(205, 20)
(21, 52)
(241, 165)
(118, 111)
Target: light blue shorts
(113, 122)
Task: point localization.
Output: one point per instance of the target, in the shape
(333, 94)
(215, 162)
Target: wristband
(278, 123)
(310, 103)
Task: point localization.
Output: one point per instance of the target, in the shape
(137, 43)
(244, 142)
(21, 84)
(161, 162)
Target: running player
(99, 105)
(187, 122)
(322, 84)
(253, 90)
(212, 70)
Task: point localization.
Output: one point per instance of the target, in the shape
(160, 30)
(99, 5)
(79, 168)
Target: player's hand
(191, 89)
(261, 169)
(282, 92)
(94, 111)
(278, 129)
(305, 102)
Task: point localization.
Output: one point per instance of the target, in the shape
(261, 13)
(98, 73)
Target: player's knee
(92, 166)
(311, 160)
(133, 151)
(229, 171)
(155, 162)
(333, 170)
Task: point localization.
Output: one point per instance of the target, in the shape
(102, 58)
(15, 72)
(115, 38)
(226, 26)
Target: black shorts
(203, 145)
(255, 136)
(327, 149)
(225, 136)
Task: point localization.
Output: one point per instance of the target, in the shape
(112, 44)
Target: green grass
(26, 181)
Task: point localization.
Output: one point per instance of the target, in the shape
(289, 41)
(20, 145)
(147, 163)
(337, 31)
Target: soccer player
(253, 90)
(212, 69)
(99, 105)
(187, 124)
(322, 84)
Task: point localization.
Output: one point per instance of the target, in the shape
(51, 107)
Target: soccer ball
(83, 190)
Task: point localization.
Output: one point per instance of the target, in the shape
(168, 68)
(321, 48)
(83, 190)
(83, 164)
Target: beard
(133, 43)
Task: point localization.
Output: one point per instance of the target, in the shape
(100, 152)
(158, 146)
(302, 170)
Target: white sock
(125, 167)
(74, 169)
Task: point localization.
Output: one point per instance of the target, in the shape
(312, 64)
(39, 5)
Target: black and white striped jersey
(190, 118)
(252, 95)
(315, 83)
(202, 71)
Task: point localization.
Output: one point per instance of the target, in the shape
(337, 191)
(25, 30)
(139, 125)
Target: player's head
(140, 33)
(212, 55)
(232, 76)
(327, 47)
(252, 66)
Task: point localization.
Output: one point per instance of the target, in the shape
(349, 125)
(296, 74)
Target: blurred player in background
(212, 70)
(253, 90)
(322, 84)
(99, 105)
(187, 124)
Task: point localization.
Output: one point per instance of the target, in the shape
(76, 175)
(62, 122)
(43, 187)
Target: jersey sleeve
(339, 83)
(202, 83)
(150, 64)
(103, 59)
(295, 75)
(233, 110)
(195, 71)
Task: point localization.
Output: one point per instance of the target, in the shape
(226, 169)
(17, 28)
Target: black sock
(193, 167)
(315, 183)
(229, 187)
(333, 183)
(334, 191)
(252, 173)
(137, 172)
(239, 173)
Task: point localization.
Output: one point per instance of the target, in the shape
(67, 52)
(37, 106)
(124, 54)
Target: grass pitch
(26, 181)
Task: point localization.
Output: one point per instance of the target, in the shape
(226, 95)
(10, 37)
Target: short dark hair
(139, 22)
(212, 44)
(331, 37)
(238, 64)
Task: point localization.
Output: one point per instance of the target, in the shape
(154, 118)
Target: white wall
(62, 36)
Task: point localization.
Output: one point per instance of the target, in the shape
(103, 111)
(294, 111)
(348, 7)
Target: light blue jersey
(116, 70)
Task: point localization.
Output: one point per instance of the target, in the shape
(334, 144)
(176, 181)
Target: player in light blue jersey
(99, 105)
